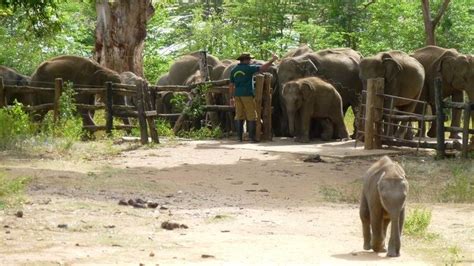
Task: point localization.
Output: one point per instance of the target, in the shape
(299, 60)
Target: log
(125, 113)
(90, 90)
(125, 92)
(26, 89)
(123, 108)
(458, 130)
(173, 88)
(456, 105)
(259, 79)
(141, 114)
(267, 108)
(222, 108)
(58, 88)
(109, 119)
(440, 149)
(410, 118)
(129, 87)
(46, 106)
(89, 107)
(3, 100)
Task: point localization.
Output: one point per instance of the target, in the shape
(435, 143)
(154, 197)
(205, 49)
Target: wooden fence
(379, 121)
(263, 99)
(143, 109)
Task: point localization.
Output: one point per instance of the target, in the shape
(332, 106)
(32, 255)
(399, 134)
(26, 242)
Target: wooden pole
(148, 107)
(109, 96)
(267, 108)
(369, 115)
(378, 111)
(58, 89)
(141, 114)
(258, 104)
(203, 68)
(3, 101)
(465, 132)
(441, 148)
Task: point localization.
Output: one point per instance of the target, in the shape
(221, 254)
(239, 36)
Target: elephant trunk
(394, 242)
(291, 123)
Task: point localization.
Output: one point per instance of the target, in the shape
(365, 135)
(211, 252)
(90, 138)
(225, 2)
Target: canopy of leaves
(225, 28)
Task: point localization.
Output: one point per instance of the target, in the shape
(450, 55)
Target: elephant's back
(182, 69)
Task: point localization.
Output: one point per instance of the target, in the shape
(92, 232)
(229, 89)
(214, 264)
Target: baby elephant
(312, 97)
(383, 201)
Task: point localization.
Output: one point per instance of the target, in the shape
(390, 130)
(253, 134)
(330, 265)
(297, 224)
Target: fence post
(141, 114)
(369, 115)
(204, 69)
(58, 89)
(148, 107)
(267, 108)
(109, 97)
(441, 146)
(2, 94)
(465, 131)
(378, 111)
(258, 105)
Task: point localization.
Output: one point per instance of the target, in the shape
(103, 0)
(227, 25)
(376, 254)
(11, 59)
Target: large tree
(431, 23)
(120, 33)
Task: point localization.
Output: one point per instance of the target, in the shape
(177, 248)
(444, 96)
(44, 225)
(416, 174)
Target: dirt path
(241, 206)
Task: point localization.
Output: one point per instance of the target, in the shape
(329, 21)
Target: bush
(202, 133)
(164, 128)
(16, 126)
(417, 222)
(11, 190)
(460, 188)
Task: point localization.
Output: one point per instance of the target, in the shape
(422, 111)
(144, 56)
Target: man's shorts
(245, 108)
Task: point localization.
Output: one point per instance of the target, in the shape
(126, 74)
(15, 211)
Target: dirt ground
(241, 206)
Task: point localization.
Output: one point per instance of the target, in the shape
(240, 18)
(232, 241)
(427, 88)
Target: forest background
(225, 28)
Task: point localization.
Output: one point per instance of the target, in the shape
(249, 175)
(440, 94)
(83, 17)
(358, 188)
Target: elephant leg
(394, 242)
(365, 218)
(327, 131)
(456, 119)
(432, 131)
(87, 119)
(401, 220)
(338, 121)
(305, 121)
(402, 130)
(470, 94)
(376, 223)
(386, 221)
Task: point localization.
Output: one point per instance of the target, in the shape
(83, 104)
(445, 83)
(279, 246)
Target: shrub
(164, 128)
(202, 133)
(417, 222)
(16, 126)
(11, 190)
(460, 188)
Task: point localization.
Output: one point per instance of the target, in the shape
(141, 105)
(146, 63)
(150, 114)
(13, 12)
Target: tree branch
(440, 12)
(366, 5)
(425, 6)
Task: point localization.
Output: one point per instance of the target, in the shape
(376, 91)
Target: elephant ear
(306, 89)
(309, 68)
(451, 66)
(392, 67)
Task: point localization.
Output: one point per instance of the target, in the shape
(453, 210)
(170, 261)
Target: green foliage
(164, 128)
(417, 222)
(460, 188)
(16, 126)
(202, 133)
(11, 190)
(179, 102)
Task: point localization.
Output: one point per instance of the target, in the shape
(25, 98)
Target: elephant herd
(312, 90)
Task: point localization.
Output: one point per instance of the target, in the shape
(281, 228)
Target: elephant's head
(454, 69)
(295, 68)
(103, 75)
(293, 93)
(380, 66)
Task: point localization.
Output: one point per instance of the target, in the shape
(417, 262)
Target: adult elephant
(12, 77)
(457, 73)
(187, 65)
(302, 49)
(78, 70)
(163, 80)
(340, 67)
(311, 97)
(403, 75)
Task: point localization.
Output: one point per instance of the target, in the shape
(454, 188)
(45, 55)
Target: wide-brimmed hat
(244, 56)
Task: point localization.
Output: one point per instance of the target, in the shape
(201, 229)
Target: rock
(171, 226)
(152, 205)
(255, 184)
(77, 244)
(225, 231)
(139, 205)
(314, 159)
(138, 200)
(123, 202)
(152, 254)
(163, 208)
(62, 225)
(7, 232)
(19, 214)
(131, 202)
(263, 190)
(109, 226)
(206, 256)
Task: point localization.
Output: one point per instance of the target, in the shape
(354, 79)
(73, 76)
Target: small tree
(430, 24)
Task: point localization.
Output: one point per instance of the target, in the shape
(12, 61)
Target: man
(242, 93)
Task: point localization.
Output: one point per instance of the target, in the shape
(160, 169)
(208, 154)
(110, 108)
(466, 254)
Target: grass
(11, 190)
(417, 222)
(459, 189)
(349, 193)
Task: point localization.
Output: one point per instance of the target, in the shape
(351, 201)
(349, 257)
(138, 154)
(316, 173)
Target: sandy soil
(242, 206)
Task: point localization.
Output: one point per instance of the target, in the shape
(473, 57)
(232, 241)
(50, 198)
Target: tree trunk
(431, 24)
(120, 33)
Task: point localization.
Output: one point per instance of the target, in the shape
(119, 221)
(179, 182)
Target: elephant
(403, 76)
(163, 80)
(338, 66)
(164, 103)
(302, 49)
(457, 73)
(384, 193)
(187, 65)
(312, 97)
(130, 78)
(12, 77)
(80, 71)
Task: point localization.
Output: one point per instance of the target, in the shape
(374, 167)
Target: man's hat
(244, 56)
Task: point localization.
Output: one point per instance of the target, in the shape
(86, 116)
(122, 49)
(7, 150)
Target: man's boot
(252, 127)
(239, 126)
